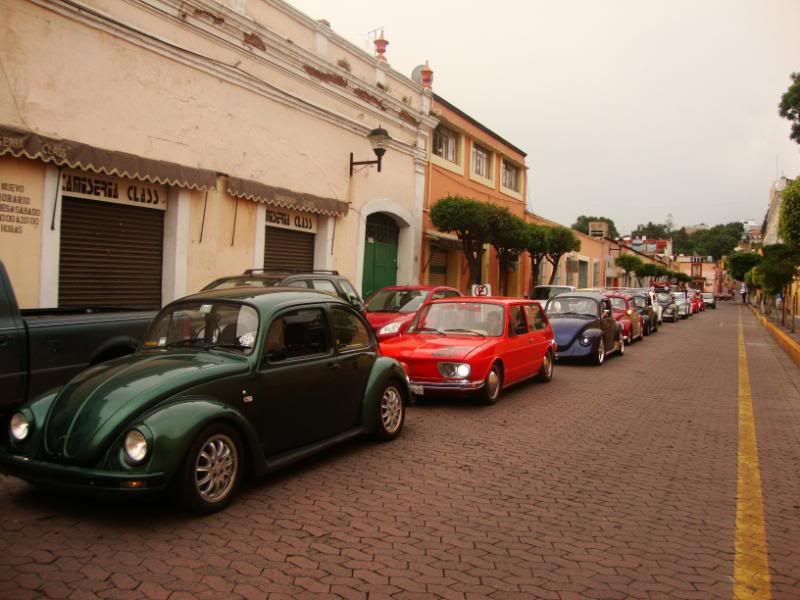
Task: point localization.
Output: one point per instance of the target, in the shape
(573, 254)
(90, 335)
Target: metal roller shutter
(110, 255)
(437, 271)
(288, 250)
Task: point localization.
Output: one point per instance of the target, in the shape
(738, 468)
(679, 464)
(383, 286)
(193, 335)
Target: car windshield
(708, 295)
(664, 297)
(404, 301)
(618, 303)
(570, 305)
(640, 301)
(679, 298)
(461, 318)
(232, 282)
(204, 324)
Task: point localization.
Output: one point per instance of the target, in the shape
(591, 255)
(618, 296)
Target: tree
(790, 214)
(661, 271)
(789, 108)
(536, 244)
(561, 241)
(652, 231)
(740, 263)
(469, 220)
(628, 263)
(508, 234)
(777, 267)
(582, 225)
(648, 270)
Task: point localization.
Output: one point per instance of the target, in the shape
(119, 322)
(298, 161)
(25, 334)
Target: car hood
(433, 347)
(92, 408)
(566, 329)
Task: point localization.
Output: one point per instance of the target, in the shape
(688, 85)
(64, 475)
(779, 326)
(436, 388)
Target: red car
(626, 314)
(391, 309)
(696, 301)
(479, 345)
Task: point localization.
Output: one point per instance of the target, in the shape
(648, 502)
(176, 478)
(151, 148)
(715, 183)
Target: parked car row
(256, 372)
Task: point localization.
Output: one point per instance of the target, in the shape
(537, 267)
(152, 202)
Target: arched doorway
(380, 253)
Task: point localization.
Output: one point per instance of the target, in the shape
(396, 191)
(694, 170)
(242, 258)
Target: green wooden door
(380, 253)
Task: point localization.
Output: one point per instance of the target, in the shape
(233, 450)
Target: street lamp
(379, 139)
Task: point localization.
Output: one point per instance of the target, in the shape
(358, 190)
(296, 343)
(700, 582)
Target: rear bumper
(79, 479)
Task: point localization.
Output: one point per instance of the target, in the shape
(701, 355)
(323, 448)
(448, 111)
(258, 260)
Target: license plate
(417, 389)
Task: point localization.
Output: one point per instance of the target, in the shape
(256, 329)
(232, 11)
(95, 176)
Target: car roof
(264, 297)
(394, 288)
(485, 299)
(591, 295)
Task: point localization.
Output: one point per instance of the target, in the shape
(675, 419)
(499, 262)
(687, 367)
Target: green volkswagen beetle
(226, 383)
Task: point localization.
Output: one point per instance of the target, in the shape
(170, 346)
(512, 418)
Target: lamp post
(379, 139)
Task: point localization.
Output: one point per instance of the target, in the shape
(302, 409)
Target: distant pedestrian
(743, 292)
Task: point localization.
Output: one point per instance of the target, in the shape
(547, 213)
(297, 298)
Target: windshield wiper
(472, 331)
(229, 345)
(439, 331)
(186, 342)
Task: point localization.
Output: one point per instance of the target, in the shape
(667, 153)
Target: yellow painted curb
(791, 347)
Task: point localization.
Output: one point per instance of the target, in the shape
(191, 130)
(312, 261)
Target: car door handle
(334, 365)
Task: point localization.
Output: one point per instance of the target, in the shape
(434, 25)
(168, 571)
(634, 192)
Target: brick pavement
(611, 482)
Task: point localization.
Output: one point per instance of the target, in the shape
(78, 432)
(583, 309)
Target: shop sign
(110, 189)
(290, 219)
(17, 211)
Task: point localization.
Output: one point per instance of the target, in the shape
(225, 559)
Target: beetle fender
(383, 370)
(175, 426)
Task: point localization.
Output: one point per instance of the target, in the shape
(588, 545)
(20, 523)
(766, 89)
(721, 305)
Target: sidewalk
(787, 340)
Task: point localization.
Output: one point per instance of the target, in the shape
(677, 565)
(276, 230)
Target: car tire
(492, 386)
(647, 329)
(391, 412)
(600, 353)
(545, 373)
(217, 451)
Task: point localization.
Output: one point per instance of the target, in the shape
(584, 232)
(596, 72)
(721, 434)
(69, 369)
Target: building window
(481, 162)
(445, 143)
(596, 274)
(511, 176)
(697, 270)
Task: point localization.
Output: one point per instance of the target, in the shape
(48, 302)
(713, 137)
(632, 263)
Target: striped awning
(283, 198)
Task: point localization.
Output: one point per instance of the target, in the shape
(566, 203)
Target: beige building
(150, 146)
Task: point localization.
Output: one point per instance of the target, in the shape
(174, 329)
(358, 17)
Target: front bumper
(446, 386)
(575, 350)
(72, 478)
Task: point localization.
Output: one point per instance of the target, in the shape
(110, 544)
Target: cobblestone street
(610, 482)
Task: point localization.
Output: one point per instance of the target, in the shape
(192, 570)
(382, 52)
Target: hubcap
(493, 383)
(601, 351)
(391, 409)
(622, 345)
(215, 468)
(548, 365)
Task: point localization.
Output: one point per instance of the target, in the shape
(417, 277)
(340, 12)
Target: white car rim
(493, 383)
(601, 352)
(548, 365)
(215, 468)
(622, 345)
(391, 409)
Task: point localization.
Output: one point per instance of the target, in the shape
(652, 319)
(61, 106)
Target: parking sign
(481, 289)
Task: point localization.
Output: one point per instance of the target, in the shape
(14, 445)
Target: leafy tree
(652, 231)
(790, 214)
(682, 277)
(469, 220)
(661, 271)
(681, 244)
(740, 263)
(561, 241)
(789, 108)
(648, 270)
(582, 225)
(776, 268)
(536, 244)
(509, 236)
(629, 263)
(717, 241)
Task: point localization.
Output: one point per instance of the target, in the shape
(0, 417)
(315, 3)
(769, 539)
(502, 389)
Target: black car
(325, 281)
(584, 326)
(669, 310)
(644, 306)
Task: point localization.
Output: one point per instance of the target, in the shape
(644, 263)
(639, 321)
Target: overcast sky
(628, 109)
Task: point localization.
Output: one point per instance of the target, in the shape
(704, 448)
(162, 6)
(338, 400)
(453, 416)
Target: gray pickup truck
(43, 348)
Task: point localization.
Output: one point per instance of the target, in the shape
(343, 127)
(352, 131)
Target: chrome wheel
(601, 352)
(621, 345)
(493, 384)
(216, 468)
(548, 365)
(391, 409)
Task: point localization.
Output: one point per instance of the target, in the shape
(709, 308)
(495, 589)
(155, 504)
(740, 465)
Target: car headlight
(390, 328)
(19, 426)
(135, 446)
(585, 341)
(454, 370)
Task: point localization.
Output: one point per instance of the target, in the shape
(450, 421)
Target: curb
(791, 347)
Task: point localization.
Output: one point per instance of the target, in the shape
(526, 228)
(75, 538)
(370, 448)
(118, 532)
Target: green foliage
(629, 263)
(777, 267)
(682, 277)
(561, 240)
(717, 241)
(509, 236)
(661, 271)
(648, 270)
(469, 220)
(536, 243)
(652, 231)
(789, 108)
(752, 278)
(582, 225)
(790, 214)
(740, 263)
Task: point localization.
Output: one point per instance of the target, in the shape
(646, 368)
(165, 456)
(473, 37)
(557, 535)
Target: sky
(630, 109)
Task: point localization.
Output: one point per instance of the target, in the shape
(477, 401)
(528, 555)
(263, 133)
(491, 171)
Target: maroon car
(390, 310)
